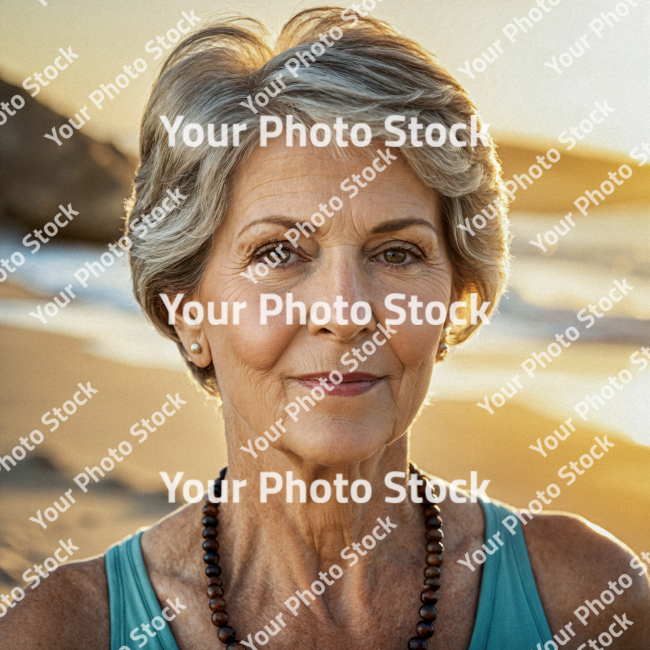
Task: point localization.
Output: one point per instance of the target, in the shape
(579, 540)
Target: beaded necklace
(429, 596)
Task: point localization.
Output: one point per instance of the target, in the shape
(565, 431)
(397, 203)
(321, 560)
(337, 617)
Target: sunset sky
(517, 94)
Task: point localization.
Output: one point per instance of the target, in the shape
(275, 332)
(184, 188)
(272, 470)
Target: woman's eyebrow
(398, 224)
(392, 225)
(280, 221)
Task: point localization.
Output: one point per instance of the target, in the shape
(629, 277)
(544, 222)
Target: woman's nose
(341, 308)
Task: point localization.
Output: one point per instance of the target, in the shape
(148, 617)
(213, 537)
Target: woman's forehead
(298, 179)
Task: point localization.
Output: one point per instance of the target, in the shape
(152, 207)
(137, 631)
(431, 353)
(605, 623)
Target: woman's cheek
(255, 345)
(415, 345)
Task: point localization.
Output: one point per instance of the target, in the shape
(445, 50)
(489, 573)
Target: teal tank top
(509, 615)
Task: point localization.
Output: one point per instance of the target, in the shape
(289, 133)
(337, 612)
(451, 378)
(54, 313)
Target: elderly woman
(361, 556)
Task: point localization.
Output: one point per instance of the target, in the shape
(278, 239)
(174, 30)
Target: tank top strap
(133, 602)
(510, 613)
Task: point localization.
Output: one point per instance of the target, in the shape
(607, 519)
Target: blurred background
(101, 336)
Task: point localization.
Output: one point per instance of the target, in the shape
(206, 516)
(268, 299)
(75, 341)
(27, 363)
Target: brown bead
(430, 582)
(424, 629)
(234, 645)
(213, 580)
(226, 634)
(217, 604)
(431, 510)
(431, 572)
(211, 545)
(215, 591)
(434, 573)
(429, 597)
(433, 559)
(220, 618)
(431, 522)
(428, 613)
(432, 547)
(209, 532)
(209, 521)
(212, 570)
(432, 534)
(210, 509)
(417, 643)
(211, 558)
(433, 584)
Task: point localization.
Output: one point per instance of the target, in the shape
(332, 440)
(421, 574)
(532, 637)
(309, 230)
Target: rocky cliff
(36, 175)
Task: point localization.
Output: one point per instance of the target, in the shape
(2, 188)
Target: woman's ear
(192, 335)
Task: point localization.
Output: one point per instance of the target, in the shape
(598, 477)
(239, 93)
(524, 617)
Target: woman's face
(387, 239)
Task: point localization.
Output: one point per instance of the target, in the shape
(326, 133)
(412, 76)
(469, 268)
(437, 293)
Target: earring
(443, 348)
(195, 348)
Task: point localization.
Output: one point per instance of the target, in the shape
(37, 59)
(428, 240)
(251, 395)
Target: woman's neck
(279, 490)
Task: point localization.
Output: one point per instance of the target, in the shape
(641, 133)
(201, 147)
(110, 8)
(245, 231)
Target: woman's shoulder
(575, 561)
(70, 608)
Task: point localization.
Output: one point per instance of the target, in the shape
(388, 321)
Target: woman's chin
(337, 442)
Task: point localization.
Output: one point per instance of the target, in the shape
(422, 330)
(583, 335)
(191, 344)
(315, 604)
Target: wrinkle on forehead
(292, 181)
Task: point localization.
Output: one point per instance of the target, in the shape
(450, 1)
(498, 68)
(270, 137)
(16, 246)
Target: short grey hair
(371, 72)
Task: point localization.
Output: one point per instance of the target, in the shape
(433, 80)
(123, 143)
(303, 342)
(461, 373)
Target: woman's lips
(354, 383)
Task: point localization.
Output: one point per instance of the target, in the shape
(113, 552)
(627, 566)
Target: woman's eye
(277, 256)
(282, 256)
(403, 254)
(393, 256)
